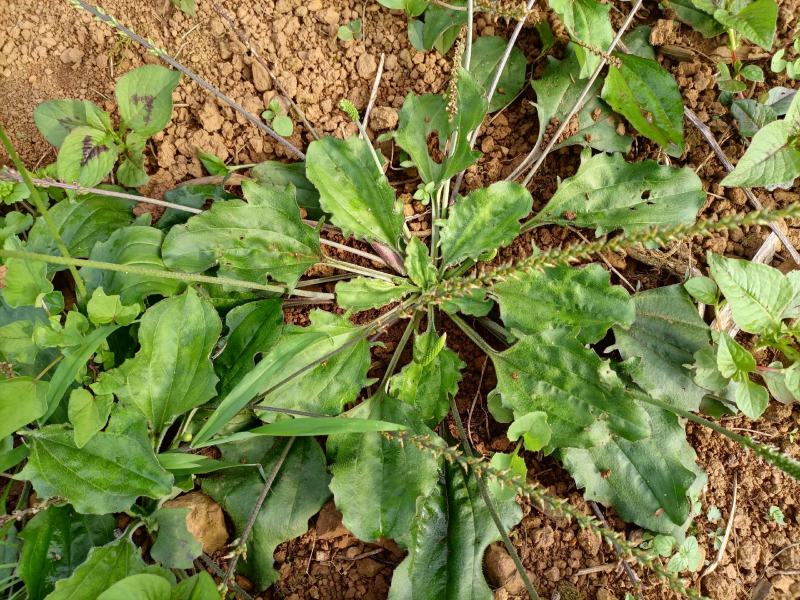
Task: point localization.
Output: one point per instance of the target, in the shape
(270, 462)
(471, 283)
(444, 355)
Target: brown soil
(49, 50)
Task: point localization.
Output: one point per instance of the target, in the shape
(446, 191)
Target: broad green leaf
(583, 398)
(475, 304)
(104, 309)
(534, 430)
(22, 401)
(662, 340)
(13, 223)
(172, 372)
(586, 21)
(253, 328)
(325, 388)
(487, 52)
(447, 540)
(557, 91)
(104, 566)
(779, 99)
(24, 280)
(648, 482)
(646, 94)
(314, 426)
(88, 414)
(174, 547)
(751, 398)
(10, 457)
(430, 380)
(74, 362)
(298, 492)
(131, 172)
(199, 587)
(732, 358)
(55, 542)
(376, 481)
(418, 264)
(135, 246)
(608, 193)
(751, 115)
(107, 475)
(637, 40)
(55, 119)
(144, 98)
(143, 586)
(756, 21)
(423, 116)
(354, 191)
(757, 294)
(777, 382)
(193, 196)
(363, 293)
(515, 466)
(261, 238)
(703, 289)
(86, 156)
(440, 28)
(581, 299)
(483, 221)
(17, 346)
(706, 373)
(277, 176)
(82, 222)
(411, 7)
(690, 13)
(770, 159)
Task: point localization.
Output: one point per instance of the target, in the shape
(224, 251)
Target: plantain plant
(171, 339)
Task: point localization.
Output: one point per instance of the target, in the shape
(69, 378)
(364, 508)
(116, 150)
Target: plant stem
(358, 269)
(355, 251)
(398, 351)
(251, 521)
(473, 335)
(489, 502)
(188, 277)
(468, 47)
(41, 206)
(373, 95)
(101, 16)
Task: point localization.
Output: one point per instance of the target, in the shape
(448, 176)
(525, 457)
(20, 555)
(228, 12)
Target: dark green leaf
(298, 492)
(756, 21)
(144, 98)
(367, 471)
(175, 547)
(586, 21)
(354, 191)
(581, 299)
(253, 328)
(199, 587)
(483, 221)
(107, 475)
(194, 196)
(277, 176)
(649, 98)
(440, 28)
(608, 193)
(88, 414)
(487, 51)
(135, 246)
(582, 397)
(55, 542)
(86, 156)
(751, 115)
(691, 14)
(55, 119)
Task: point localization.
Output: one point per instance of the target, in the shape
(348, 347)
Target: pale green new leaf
(298, 492)
(758, 294)
(172, 371)
(483, 221)
(648, 482)
(448, 538)
(423, 116)
(608, 193)
(557, 91)
(487, 52)
(646, 94)
(751, 398)
(411, 7)
(770, 159)
(581, 299)
(756, 21)
(732, 358)
(103, 309)
(22, 401)
(586, 21)
(253, 328)
(418, 264)
(533, 428)
(261, 238)
(86, 156)
(104, 566)
(144, 586)
(354, 191)
(135, 246)
(107, 475)
(430, 380)
(363, 293)
(55, 119)
(583, 398)
(88, 414)
(325, 388)
(376, 481)
(24, 280)
(144, 98)
(175, 547)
